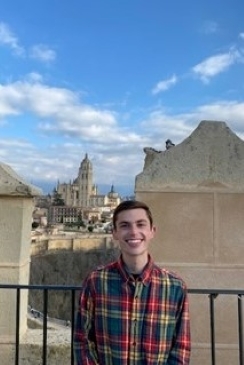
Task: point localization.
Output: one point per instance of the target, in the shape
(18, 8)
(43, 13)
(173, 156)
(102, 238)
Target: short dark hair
(131, 204)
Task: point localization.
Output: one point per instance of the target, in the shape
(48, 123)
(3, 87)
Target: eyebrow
(138, 221)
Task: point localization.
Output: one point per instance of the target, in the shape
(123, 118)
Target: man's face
(133, 231)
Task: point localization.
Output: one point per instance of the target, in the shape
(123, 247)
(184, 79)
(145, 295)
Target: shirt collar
(145, 276)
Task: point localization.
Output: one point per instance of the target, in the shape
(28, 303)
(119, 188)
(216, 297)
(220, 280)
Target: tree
(80, 221)
(57, 199)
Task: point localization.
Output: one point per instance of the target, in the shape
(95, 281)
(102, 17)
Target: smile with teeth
(134, 242)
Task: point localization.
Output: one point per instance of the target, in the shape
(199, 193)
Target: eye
(123, 225)
(141, 224)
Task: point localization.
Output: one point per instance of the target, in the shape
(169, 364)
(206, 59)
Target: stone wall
(196, 192)
(76, 242)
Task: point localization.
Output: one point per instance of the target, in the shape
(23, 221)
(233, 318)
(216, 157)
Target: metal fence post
(240, 329)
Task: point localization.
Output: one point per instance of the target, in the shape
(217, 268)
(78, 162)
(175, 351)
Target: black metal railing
(213, 294)
(43, 315)
(46, 289)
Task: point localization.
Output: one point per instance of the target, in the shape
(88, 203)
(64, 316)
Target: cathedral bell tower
(85, 181)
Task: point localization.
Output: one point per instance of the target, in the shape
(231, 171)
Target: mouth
(134, 242)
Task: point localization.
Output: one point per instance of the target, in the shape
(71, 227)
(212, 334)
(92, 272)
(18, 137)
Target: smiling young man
(132, 312)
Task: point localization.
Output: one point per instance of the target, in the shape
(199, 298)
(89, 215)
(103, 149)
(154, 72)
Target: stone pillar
(196, 193)
(16, 207)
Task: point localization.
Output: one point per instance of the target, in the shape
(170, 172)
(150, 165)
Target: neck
(135, 265)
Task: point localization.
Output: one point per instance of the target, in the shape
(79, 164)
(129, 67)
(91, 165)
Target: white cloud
(40, 52)
(34, 77)
(8, 38)
(60, 111)
(214, 65)
(116, 151)
(210, 27)
(164, 85)
(160, 125)
(241, 35)
(230, 111)
(43, 53)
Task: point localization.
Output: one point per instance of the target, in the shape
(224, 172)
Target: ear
(114, 234)
(153, 231)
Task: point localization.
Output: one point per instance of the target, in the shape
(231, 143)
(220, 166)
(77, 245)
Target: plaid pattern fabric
(123, 321)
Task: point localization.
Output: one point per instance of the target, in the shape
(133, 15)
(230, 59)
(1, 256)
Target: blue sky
(111, 77)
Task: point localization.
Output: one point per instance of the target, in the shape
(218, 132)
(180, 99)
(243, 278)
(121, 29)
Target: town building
(64, 214)
(80, 198)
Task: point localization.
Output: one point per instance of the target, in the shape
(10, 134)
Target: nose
(133, 229)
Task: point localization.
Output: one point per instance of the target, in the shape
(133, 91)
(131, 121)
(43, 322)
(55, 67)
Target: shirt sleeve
(181, 345)
(84, 334)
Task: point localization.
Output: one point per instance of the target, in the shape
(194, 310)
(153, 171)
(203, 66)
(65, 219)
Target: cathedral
(82, 192)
